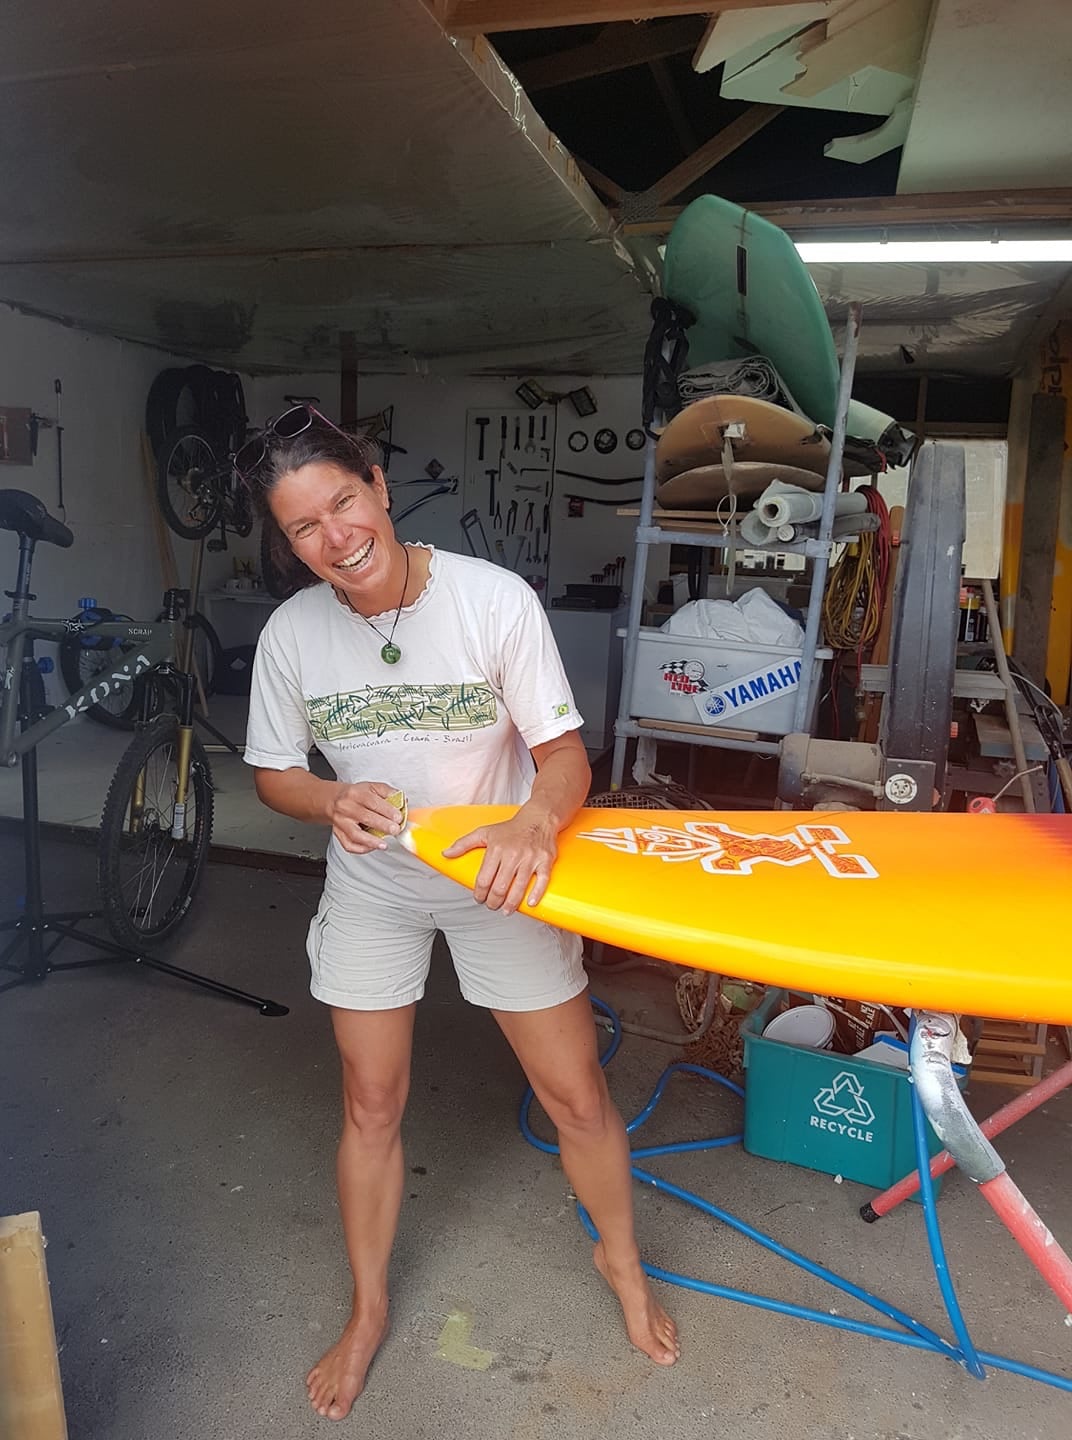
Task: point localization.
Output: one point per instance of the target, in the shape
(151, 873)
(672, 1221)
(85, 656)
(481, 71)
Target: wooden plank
(658, 515)
(995, 742)
(603, 183)
(1001, 1077)
(169, 572)
(618, 48)
(1010, 1047)
(1042, 505)
(31, 1396)
(695, 166)
(865, 212)
(481, 17)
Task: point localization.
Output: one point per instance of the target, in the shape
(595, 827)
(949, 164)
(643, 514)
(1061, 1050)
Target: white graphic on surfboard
(722, 850)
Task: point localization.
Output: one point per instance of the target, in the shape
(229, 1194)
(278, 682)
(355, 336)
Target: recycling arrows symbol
(845, 1097)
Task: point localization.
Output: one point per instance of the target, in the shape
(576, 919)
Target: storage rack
(648, 533)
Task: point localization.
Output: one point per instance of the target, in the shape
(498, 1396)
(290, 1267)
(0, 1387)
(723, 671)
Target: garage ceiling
(242, 185)
(238, 184)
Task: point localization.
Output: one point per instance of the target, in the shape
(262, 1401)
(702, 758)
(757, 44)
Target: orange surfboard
(962, 913)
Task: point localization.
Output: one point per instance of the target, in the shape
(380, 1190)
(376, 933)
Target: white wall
(108, 497)
(430, 420)
(105, 382)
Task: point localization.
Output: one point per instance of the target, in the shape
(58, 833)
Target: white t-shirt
(479, 683)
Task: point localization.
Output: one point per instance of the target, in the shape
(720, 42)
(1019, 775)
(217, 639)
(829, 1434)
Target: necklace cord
(390, 653)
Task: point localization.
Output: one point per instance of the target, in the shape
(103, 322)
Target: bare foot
(338, 1377)
(647, 1324)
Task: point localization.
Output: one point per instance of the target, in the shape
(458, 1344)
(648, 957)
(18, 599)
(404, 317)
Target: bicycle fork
(182, 780)
(184, 683)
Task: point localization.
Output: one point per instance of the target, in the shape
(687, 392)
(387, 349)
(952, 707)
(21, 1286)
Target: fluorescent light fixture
(933, 252)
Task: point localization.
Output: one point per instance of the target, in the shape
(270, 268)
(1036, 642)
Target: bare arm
(350, 810)
(520, 852)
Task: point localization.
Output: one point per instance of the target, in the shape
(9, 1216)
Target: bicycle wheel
(82, 658)
(147, 877)
(188, 482)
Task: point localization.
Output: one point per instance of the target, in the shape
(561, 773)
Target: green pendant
(390, 654)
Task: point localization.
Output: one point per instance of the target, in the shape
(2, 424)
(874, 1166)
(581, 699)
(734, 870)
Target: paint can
(811, 1026)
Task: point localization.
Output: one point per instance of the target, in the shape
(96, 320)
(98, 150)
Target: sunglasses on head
(294, 421)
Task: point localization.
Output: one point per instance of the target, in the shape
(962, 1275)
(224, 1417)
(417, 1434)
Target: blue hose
(934, 1234)
(913, 1332)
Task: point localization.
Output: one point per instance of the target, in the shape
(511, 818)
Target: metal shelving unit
(648, 533)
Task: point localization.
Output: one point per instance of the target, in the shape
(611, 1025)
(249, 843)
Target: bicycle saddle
(26, 515)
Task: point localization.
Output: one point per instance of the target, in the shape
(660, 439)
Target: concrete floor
(179, 1147)
(76, 764)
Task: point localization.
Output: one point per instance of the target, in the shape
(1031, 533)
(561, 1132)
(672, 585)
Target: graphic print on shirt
(380, 709)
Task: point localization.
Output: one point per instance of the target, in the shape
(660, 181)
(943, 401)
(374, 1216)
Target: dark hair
(284, 574)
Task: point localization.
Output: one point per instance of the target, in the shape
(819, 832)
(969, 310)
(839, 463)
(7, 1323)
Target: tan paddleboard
(705, 487)
(693, 439)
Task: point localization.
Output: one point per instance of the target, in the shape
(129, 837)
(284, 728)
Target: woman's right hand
(356, 810)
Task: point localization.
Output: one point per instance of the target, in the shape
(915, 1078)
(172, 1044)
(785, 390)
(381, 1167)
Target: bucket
(811, 1026)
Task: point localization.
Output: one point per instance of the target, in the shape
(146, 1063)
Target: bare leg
(557, 1049)
(375, 1048)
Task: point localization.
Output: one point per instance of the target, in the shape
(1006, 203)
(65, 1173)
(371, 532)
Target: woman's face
(338, 525)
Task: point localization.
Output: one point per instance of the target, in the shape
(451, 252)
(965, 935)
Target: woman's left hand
(519, 854)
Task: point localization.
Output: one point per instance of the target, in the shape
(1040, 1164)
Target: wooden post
(1042, 506)
(31, 1397)
(168, 571)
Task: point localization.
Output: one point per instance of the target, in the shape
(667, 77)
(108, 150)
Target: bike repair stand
(32, 927)
(186, 660)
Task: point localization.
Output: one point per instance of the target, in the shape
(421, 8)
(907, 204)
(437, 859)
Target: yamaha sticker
(720, 702)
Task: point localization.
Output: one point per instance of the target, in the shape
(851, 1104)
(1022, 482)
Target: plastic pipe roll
(799, 507)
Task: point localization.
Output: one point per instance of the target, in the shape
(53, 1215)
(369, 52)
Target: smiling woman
(432, 678)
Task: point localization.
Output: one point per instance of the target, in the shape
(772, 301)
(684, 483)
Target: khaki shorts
(369, 951)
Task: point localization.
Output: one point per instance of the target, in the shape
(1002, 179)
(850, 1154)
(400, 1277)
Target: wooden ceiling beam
(617, 48)
(686, 136)
(483, 17)
(943, 207)
(603, 183)
(730, 138)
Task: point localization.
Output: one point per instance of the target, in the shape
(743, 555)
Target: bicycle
(85, 653)
(157, 818)
(197, 488)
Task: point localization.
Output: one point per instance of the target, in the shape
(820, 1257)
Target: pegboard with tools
(509, 476)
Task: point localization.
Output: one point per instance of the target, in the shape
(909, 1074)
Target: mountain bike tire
(147, 880)
(188, 483)
(162, 405)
